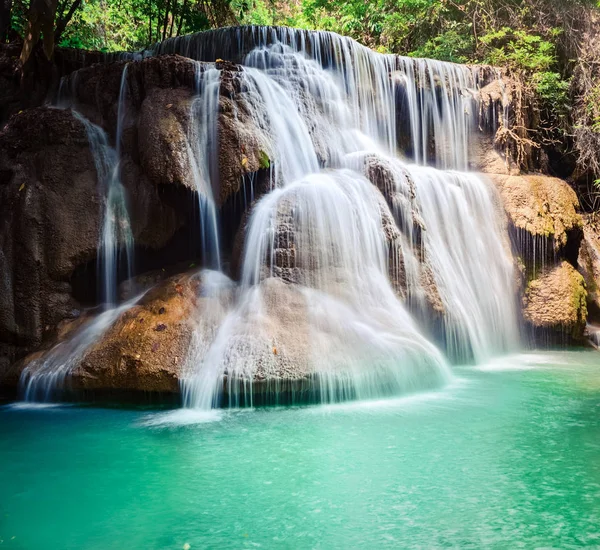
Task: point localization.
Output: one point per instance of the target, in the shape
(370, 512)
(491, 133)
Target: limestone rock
(50, 216)
(556, 302)
(541, 205)
(589, 260)
(163, 136)
(147, 347)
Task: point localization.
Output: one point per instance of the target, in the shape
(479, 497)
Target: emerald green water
(507, 457)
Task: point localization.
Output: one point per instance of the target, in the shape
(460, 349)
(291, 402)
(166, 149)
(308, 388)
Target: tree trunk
(166, 19)
(173, 16)
(40, 20)
(181, 16)
(5, 9)
(62, 23)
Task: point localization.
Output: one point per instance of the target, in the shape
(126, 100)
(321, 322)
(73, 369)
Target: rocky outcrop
(541, 206)
(589, 262)
(554, 304)
(547, 229)
(163, 126)
(147, 347)
(49, 212)
(160, 128)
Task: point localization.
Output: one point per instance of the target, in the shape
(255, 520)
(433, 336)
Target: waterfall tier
(365, 248)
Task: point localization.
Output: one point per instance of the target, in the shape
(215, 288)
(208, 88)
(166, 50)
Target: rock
(147, 347)
(486, 158)
(50, 218)
(270, 342)
(244, 146)
(543, 207)
(555, 303)
(589, 261)
(49, 212)
(156, 212)
(163, 126)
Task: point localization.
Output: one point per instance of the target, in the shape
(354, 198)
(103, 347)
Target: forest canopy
(517, 31)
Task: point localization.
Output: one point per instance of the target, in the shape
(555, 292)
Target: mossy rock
(556, 301)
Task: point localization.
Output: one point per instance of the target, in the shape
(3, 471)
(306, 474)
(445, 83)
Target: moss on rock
(556, 301)
(540, 205)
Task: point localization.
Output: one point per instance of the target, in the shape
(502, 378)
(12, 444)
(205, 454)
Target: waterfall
(44, 380)
(438, 105)
(330, 106)
(372, 248)
(116, 227)
(202, 150)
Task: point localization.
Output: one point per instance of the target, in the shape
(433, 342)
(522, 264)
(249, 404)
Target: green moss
(579, 296)
(263, 160)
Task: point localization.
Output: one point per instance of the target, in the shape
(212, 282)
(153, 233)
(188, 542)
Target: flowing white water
(203, 143)
(45, 380)
(332, 103)
(116, 232)
(438, 98)
(330, 287)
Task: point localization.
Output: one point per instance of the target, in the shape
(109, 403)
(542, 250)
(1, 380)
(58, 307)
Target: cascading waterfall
(370, 208)
(203, 147)
(43, 382)
(332, 104)
(438, 97)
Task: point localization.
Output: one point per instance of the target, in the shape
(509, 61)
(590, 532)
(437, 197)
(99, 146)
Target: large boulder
(146, 348)
(541, 206)
(163, 125)
(50, 218)
(554, 304)
(589, 261)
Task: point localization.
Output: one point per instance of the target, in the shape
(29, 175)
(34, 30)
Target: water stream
(330, 110)
(45, 380)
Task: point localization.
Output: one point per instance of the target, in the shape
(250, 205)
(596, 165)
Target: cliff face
(51, 208)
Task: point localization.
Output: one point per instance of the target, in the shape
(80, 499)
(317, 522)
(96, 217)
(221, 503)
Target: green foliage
(263, 160)
(592, 107)
(453, 45)
(104, 25)
(518, 49)
(553, 92)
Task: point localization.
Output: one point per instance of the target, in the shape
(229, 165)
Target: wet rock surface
(554, 304)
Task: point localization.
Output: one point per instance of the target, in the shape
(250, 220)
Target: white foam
(26, 406)
(181, 417)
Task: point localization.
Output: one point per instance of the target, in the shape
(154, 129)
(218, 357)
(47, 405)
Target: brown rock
(589, 260)
(49, 212)
(540, 205)
(147, 347)
(556, 301)
(163, 126)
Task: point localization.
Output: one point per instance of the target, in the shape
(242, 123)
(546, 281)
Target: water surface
(507, 457)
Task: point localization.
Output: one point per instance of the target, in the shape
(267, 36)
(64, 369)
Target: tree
(40, 21)
(5, 11)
